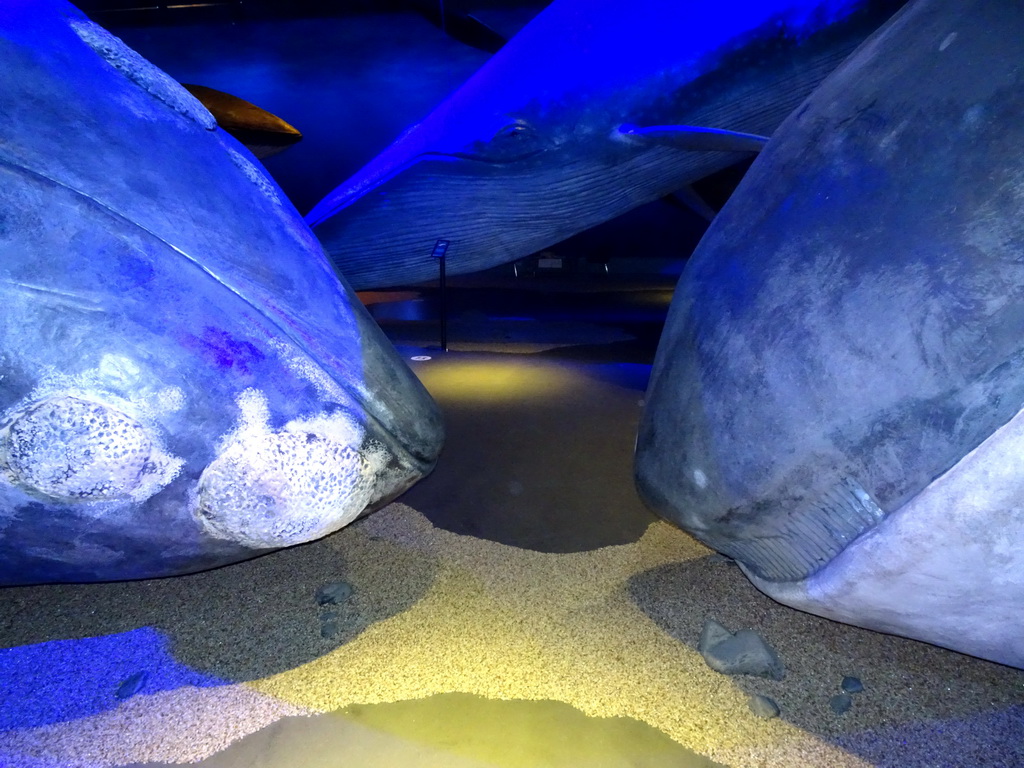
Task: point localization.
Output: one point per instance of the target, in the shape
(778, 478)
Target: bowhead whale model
(183, 380)
(594, 108)
(836, 399)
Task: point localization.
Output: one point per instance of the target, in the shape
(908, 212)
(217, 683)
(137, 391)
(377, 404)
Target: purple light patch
(225, 351)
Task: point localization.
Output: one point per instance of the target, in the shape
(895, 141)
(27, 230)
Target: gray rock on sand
(852, 685)
(741, 653)
(841, 703)
(763, 706)
(333, 593)
(329, 628)
(329, 595)
(131, 685)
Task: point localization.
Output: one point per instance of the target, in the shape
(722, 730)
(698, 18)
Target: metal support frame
(439, 253)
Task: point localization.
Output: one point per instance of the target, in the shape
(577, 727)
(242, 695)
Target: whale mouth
(798, 544)
(474, 157)
(331, 206)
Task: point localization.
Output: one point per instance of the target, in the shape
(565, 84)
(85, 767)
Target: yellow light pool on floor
(471, 379)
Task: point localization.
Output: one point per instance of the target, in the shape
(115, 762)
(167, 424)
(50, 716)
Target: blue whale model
(836, 400)
(594, 108)
(183, 380)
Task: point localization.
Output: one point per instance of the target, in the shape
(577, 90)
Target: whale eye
(516, 140)
(516, 130)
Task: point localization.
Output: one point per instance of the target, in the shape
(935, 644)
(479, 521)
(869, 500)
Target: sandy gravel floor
(611, 632)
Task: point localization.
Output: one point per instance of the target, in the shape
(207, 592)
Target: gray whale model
(836, 400)
(594, 108)
(183, 380)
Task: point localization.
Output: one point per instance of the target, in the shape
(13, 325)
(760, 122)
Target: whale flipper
(696, 138)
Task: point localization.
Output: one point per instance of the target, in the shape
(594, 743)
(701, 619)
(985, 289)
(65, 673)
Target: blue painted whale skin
(594, 108)
(184, 382)
(836, 398)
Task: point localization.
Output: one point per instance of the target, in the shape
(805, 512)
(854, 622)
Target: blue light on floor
(65, 680)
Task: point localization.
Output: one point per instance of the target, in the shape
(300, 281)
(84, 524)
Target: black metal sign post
(440, 249)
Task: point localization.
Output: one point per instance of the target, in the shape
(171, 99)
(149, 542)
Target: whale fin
(262, 132)
(696, 138)
(689, 198)
(463, 27)
(471, 31)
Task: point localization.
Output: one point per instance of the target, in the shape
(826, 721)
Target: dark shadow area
(238, 623)
(541, 394)
(918, 694)
(538, 453)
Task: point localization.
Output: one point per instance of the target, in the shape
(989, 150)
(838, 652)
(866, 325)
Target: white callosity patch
(269, 489)
(281, 489)
(168, 400)
(120, 369)
(75, 449)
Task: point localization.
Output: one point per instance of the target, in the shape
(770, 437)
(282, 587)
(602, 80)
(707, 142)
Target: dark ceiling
(189, 11)
(459, 19)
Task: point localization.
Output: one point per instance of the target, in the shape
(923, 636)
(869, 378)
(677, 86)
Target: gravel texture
(612, 632)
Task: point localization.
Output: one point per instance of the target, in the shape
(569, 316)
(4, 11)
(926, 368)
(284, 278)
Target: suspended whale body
(594, 108)
(836, 399)
(183, 380)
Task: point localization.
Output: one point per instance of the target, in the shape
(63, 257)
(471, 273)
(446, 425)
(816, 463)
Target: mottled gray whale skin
(184, 382)
(594, 108)
(836, 398)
